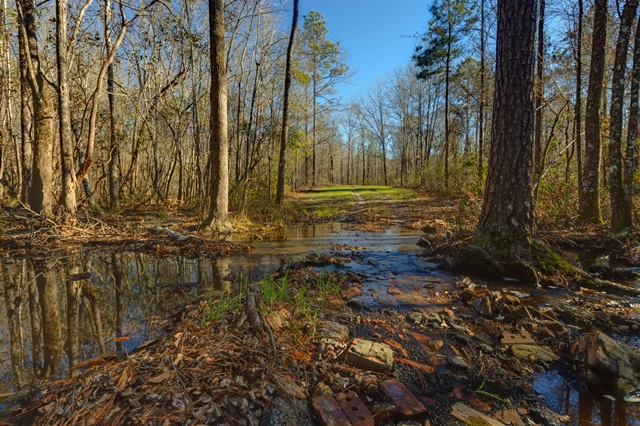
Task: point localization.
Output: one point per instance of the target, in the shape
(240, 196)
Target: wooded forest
(107, 104)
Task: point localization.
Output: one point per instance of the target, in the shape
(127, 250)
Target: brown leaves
(161, 377)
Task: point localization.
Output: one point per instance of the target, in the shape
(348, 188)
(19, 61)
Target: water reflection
(567, 396)
(61, 311)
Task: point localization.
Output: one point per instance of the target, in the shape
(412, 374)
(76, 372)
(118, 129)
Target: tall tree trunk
(507, 220)
(620, 205)
(218, 218)
(114, 149)
(284, 136)
(447, 71)
(590, 194)
(314, 141)
(539, 87)
(26, 123)
(482, 93)
(68, 196)
(40, 192)
(578, 106)
(632, 132)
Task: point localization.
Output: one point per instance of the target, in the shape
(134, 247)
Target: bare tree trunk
(114, 149)
(68, 196)
(620, 205)
(578, 106)
(590, 193)
(284, 136)
(507, 220)
(51, 328)
(40, 192)
(632, 132)
(482, 93)
(218, 218)
(26, 124)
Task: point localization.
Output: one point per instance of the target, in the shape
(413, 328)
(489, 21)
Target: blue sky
(377, 34)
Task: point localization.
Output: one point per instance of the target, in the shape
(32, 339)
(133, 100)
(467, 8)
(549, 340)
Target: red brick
(408, 405)
(355, 409)
(328, 412)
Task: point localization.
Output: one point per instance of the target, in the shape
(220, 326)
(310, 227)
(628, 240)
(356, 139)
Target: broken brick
(408, 405)
(355, 409)
(328, 412)
(372, 356)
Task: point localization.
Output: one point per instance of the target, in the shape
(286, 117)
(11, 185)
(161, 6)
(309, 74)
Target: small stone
(415, 317)
(602, 316)
(408, 405)
(323, 390)
(372, 356)
(458, 362)
(485, 348)
(354, 304)
(384, 412)
(369, 386)
(533, 353)
(483, 306)
(332, 332)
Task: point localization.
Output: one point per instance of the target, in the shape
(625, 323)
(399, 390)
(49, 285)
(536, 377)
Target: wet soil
(452, 349)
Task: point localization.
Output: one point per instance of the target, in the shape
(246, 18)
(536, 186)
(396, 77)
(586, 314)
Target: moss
(548, 261)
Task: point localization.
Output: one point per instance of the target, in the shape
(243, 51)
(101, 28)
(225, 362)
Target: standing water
(63, 310)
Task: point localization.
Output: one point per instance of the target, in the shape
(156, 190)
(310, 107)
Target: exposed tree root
(543, 264)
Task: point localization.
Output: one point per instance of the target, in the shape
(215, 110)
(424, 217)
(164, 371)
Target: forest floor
(300, 347)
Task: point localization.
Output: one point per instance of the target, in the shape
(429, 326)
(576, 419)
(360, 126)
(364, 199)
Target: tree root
(543, 264)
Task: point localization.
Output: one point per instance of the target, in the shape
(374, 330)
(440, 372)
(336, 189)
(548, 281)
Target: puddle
(566, 396)
(129, 295)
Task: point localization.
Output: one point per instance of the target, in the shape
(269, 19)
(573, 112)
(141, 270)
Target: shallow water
(128, 296)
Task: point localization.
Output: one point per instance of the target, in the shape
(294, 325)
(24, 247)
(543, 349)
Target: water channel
(67, 309)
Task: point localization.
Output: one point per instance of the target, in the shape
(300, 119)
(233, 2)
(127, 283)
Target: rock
(602, 316)
(533, 353)
(415, 317)
(332, 332)
(544, 416)
(485, 348)
(467, 294)
(369, 386)
(384, 412)
(355, 304)
(287, 412)
(458, 362)
(355, 409)
(328, 412)
(608, 363)
(372, 356)
(483, 306)
(466, 415)
(433, 320)
(323, 390)
(510, 299)
(510, 417)
(408, 405)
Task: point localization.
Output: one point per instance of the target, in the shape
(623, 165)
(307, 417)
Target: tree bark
(114, 149)
(68, 196)
(620, 205)
(218, 218)
(507, 221)
(284, 135)
(539, 96)
(590, 194)
(40, 191)
(632, 132)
